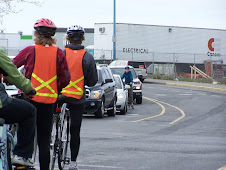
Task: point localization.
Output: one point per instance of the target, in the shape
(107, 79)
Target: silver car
(122, 95)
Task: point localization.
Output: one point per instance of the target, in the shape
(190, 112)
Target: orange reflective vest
(44, 76)
(74, 59)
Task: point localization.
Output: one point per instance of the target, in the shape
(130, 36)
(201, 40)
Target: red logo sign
(211, 40)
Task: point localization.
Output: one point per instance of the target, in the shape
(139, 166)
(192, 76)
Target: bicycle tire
(9, 154)
(53, 150)
(65, 132)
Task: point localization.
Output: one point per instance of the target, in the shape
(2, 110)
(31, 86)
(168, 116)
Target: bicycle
(60, 136)
(7, 143)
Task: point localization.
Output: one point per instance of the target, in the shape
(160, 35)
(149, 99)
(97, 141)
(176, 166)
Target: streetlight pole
(114, 33)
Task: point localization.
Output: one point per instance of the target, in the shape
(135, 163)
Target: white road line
(100, 166)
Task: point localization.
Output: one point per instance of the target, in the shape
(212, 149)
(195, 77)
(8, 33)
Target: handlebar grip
(32, 92)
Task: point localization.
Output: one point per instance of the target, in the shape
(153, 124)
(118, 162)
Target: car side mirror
(127, 86)
(108, 80)
(140, 77)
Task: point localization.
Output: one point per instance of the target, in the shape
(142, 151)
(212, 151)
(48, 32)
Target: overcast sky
(187, 13)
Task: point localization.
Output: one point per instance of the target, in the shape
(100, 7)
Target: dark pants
(44, 127)
(23, 113)
(76, 113)
(130, 95)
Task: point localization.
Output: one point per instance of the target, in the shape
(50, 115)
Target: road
(175, 128)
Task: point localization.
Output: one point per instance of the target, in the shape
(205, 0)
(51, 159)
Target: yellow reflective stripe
(72, 92)
(47, 95)
(45, 84)
(73, 84)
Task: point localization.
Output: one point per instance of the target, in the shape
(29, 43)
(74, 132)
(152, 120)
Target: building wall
(160, 43)
(13, 43)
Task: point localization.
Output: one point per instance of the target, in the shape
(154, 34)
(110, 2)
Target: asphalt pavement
(175, 128)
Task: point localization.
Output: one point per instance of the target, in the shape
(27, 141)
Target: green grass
(188, 79)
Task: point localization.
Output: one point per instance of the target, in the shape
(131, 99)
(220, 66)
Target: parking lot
(174, 128)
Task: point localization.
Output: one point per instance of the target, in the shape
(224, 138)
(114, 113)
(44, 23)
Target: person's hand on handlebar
(31, 93)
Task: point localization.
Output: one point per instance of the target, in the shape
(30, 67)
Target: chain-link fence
(171, 64)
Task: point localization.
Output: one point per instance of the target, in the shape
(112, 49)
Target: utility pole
(114, 32)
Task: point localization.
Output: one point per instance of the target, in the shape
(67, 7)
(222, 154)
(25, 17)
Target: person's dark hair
(75, 40)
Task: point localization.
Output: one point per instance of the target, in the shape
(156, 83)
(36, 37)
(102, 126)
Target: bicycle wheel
(9, 146)
(63, 158)
(54, 142)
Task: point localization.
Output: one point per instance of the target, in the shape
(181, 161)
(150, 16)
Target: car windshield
(118, 63)
(140, 65)
(118, 82)
(120, 71)
(99, 77)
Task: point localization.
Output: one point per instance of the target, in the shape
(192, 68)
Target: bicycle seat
(2, 121)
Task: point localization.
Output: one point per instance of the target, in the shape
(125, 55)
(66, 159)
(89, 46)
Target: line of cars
(110, 95)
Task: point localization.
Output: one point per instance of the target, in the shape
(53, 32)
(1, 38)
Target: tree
(9, 6)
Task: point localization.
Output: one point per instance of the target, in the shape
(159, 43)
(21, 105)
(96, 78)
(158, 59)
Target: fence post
(194, 68)
(153, 62)
(174, 74)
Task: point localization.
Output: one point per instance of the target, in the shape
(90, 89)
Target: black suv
(101, 98)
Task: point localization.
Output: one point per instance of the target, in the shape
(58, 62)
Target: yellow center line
(162, 113)
(181, 111)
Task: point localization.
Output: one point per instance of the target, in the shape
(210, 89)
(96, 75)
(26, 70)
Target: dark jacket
(128, 77)
(89, 71)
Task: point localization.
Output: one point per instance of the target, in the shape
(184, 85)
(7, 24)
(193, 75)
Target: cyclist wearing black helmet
(83, 72)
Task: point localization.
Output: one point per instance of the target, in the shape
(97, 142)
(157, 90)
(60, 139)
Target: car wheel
(139, 100)
(123, 112)
(100, 112)
(112, 112)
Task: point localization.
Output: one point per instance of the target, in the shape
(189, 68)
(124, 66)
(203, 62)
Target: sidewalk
(207, 86)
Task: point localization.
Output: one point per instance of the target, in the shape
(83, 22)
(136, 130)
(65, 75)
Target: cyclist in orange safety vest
(83, 72)
(46, 67)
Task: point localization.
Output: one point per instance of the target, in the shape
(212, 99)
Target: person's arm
(89, 70)
(123, 76)
(21, 58)
(63, 73)
(9, 70)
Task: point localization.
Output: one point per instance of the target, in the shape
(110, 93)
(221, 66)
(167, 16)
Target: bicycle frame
(60, 117)
(4, 136)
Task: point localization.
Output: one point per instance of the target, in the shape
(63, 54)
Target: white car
(137, 84)
(139, 67)
(122, 95)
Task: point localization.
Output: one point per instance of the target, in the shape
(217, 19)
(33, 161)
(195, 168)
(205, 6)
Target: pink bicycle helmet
(44, 22)
(45, 27)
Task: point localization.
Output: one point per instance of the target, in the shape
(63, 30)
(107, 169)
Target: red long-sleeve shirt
(26, 57)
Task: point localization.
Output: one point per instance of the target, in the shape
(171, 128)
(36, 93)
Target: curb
(188, 85)
(195, 86)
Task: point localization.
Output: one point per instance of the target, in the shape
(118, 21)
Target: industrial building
(168, 46)
(166, 49)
